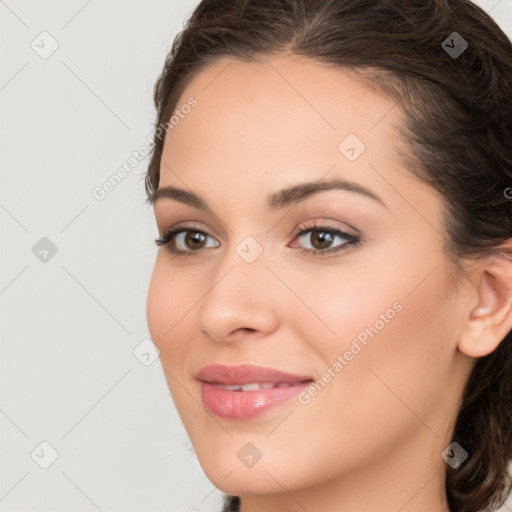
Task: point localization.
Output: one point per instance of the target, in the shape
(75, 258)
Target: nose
(241, 302)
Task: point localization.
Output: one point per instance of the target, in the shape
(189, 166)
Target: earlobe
(490, 320)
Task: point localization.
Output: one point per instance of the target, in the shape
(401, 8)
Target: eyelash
(352, 240)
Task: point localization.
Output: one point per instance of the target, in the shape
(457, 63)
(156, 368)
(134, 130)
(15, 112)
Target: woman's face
(374, 323)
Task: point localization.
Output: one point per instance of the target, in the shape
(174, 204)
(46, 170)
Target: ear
(490, 320)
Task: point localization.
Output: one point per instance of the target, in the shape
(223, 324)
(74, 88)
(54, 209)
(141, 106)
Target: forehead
(280, 109)
(286, 90)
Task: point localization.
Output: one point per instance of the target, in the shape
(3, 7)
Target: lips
(245, 391)
(247, 374)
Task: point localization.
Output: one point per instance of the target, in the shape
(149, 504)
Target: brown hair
(458, 129)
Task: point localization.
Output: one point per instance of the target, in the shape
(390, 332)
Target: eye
(188, 241)
(322, 236)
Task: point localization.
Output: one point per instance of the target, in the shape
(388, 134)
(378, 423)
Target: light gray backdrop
(86, 416)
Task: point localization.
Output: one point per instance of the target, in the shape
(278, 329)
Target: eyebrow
(278, 200)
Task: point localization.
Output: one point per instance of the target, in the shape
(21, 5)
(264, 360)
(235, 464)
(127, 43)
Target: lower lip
(246, 404)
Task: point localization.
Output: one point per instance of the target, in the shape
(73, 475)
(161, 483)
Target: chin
(230, 475)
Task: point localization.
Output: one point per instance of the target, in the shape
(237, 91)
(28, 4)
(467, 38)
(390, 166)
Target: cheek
(393, 328)
(401, 303)
(169, 298)
(395, 367)
(157, 304)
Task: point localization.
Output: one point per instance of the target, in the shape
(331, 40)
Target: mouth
(256, 386)
(245, 391)
(247, 374)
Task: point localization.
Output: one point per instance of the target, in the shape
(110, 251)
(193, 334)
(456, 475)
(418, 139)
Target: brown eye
(322, 237)
(184, 241)
(194, 239)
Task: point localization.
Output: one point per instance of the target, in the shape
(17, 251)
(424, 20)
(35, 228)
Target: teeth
(253, 386)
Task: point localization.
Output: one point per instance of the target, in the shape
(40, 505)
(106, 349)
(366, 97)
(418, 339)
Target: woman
(332, 296)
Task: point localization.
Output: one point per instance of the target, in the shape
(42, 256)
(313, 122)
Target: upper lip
(245, 374)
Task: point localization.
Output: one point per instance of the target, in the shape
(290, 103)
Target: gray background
(72, 320)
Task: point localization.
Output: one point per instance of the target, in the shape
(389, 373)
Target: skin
(372, 438)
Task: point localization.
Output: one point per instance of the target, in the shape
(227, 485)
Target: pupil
(194, 237)
(324, 237)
